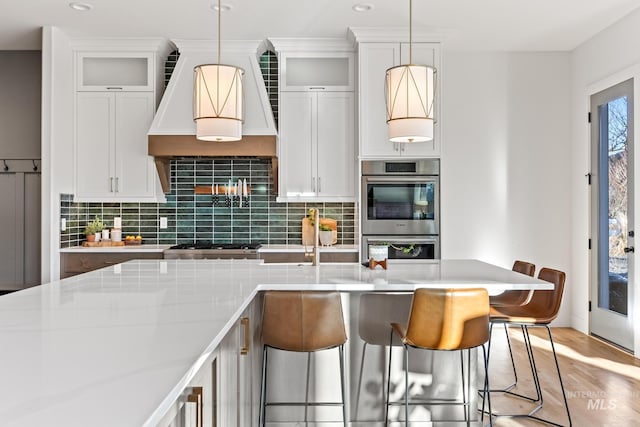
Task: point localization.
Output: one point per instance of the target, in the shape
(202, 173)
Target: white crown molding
(122, 44)
(396, 34)
(248, 46)
(311, 44)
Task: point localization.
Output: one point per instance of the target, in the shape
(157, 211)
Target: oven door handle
(385, 179)
(423, 240)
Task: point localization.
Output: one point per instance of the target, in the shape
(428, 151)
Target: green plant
(311, 214)
(403, 249)
(324, 227)
(94, 226)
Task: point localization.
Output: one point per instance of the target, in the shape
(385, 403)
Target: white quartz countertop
(116, 346)
(301, 248)
(115, 249)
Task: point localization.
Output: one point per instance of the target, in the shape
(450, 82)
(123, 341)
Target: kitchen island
(118, 346)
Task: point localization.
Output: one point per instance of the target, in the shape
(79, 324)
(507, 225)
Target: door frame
(632, 72)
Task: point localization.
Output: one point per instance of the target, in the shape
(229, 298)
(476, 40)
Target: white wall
(506, 160)
(57, 141)
(608, 58)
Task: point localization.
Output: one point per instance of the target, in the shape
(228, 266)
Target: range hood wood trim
(166, 147)
(163, 165)
(189, 146)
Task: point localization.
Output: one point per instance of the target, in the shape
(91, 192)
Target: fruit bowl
(132, 240)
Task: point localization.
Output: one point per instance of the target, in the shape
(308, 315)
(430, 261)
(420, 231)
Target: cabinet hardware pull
(114, 88)
(111, 185)
(117, 184)
(319, 185)
(244, 350)
(196, 397)
(316, 88)
(313, 184)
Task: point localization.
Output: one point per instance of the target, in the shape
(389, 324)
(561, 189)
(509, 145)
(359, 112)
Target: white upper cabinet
(118, 83)
(316, 148)
(111, 147)
(374, 58)
(111, 71)
(335, 146)
(316, 135)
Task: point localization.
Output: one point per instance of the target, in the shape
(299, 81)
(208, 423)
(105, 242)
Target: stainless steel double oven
(401, 207)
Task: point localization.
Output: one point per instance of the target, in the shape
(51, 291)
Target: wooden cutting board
(307, 230)
(101, 244)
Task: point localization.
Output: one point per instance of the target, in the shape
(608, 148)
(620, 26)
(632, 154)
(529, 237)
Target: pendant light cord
(219, 29)
(410, 31)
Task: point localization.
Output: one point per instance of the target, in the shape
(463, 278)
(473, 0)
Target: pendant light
(217, 99)
(409, 95)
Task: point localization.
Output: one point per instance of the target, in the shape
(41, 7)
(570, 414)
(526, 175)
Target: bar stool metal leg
(263, 388)
(386, 406)
(513, 363)
(343, 384)
(564, 396)
(306, 392)
(357, 403)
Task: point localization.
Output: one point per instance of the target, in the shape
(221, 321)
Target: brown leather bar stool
(302, 322)
(540, 311)
(446, 319)
(514, 298)
(376, 312)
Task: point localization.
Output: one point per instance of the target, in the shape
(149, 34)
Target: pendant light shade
(218, 107)
(218, 102)
(409, 95)
(409, 92)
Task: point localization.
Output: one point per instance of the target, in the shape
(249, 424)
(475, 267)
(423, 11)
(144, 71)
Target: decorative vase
(378, 252)
(326, 238)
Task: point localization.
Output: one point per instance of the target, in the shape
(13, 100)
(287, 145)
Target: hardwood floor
(602, 382)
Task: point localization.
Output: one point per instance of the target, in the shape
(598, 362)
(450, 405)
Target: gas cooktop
(216, 246)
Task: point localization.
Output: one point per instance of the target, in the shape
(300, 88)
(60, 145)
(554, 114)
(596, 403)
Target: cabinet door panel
(374, 60)
(297, 135)
(335, 145)
(94, 144)
(134, 168)
(228, 380)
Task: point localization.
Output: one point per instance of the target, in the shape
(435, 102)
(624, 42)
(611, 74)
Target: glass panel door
(612, 212)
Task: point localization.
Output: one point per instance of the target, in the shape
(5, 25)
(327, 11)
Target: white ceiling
(469, 24)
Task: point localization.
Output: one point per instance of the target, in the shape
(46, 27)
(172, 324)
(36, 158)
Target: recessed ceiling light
(361, 7)
(83, 7)
(223, 8)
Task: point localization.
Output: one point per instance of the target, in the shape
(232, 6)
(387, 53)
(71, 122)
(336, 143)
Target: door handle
(111, 185)
(244, 350)
(196, 398)
(629, 249)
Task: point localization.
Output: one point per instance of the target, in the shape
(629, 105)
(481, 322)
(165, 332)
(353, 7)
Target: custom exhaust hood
(172, 132)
